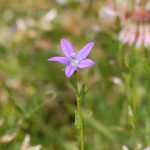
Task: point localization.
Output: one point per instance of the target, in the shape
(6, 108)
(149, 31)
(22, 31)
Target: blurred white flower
(116, 80)
(26, 144)
(124, 147)
(50, 15)
(8, 137)
(147, 148)
(108, 15)
(21, 24)
(138, 147)
(45, 21)
(109, 12)
(61, 2)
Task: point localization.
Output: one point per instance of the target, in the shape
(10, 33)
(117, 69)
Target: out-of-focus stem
(134, 112)
(80, 117)
(133, 100)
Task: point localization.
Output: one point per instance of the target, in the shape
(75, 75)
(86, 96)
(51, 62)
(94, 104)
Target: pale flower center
(73, 60)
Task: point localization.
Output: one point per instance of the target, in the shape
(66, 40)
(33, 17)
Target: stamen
(73, 60)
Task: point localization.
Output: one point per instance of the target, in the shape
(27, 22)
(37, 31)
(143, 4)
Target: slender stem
(80, 116)
(133, 104)
(132, 96)
(134, 121)
(81, 128)
(76, 85)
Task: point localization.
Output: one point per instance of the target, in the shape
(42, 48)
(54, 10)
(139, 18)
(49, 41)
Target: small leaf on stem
(82, 93)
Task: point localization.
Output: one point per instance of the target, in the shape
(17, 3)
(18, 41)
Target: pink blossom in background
(134, 19)
(109, 11)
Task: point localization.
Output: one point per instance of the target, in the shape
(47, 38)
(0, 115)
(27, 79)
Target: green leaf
(73, 81)
(82, 93)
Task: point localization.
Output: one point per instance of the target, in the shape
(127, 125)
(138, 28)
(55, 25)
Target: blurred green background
(36, 99)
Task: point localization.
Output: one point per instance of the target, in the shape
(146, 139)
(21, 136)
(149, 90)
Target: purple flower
(72, 59)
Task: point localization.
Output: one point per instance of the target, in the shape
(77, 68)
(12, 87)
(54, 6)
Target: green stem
(120, 58)
(131, 63)
(134, 119)
(80, 116)
(81, 125)
(133, 105)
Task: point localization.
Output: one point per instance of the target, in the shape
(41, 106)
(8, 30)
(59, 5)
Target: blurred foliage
(36, 99)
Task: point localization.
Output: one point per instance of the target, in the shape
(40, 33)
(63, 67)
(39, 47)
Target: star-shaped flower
(74, 60)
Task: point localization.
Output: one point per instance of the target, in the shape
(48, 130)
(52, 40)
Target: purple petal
(85, 63)
(69, 70)
(66, 47)
(84, 52)
(59, 59)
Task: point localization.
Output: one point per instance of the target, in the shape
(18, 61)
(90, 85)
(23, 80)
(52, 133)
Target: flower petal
(59, 59)
(85, 63)
(69, 70)
(84, 52)
(66, 47)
